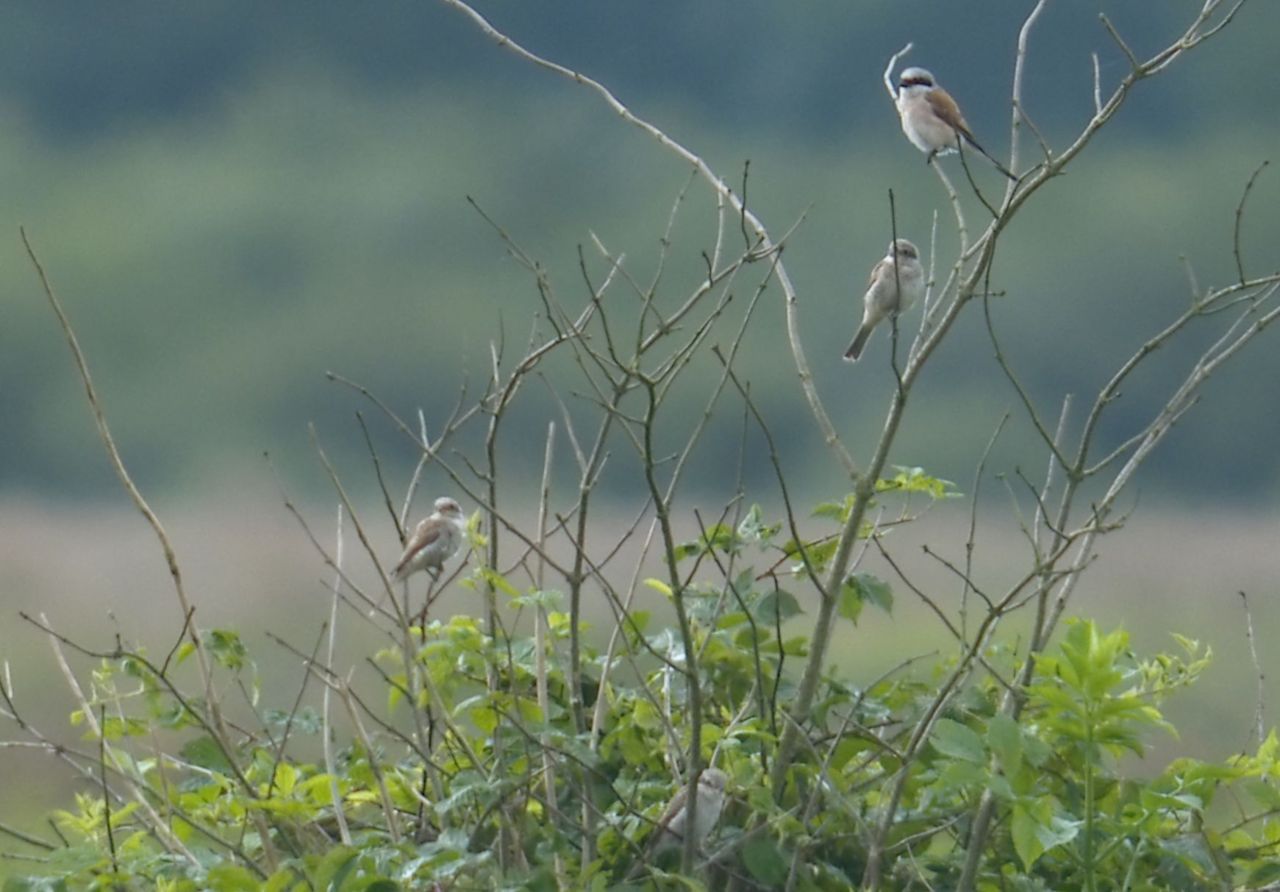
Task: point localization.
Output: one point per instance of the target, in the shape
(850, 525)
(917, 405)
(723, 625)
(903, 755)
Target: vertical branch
(1019, 66)
(106, 791)
(371, 756)
(326, 723)
(1259, 728)
(540, 650)
(971, 539)
(693, 685)
(117, 463)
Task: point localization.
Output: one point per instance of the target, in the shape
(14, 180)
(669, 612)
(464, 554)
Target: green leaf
(753, 529)
(286, 879)
(718, 537)
(916, 480)
(776, 606)
(861, 588)
(498, 582)
(227, 877)
(658, 586)
(850, 606)
(765, 862)
(957, 741)
(1036, 829)
(548, 599)
(1026, 840)
(203, 752)
(1265, 875)
(875, 590)
(1263, 793)
(226, 647)
(837, 511)
(1005, 740)
(961, 773)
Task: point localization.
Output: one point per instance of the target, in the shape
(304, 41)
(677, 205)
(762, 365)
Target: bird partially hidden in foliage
(674, 823)
(435, 540)
(897, 282)
(932, 120)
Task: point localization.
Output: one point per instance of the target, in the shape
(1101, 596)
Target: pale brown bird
(435, 540)
(673, 824)
(932, 120)
(888, 294)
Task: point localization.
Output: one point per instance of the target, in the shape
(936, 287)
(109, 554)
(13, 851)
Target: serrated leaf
(850, 606)
(875, 590)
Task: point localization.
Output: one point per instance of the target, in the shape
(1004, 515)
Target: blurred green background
(234, 198)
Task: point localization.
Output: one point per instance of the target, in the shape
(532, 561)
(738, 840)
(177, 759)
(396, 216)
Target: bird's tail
(985, 154)
(859, 341)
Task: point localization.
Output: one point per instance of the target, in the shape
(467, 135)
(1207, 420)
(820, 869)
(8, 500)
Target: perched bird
(932, 120)
(897, 282)
(433, 542)
(674, 821)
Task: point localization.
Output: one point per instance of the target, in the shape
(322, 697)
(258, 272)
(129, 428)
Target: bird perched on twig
(897, 282)
(673, 824)
(435, 540)
(932, 120)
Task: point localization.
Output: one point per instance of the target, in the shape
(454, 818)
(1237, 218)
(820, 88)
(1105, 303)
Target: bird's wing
(674, 807)
(876, 271)
(424, 534)
(945, 108)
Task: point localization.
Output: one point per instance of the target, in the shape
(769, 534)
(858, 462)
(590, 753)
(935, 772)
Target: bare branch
(1235, 240)
(805, 375)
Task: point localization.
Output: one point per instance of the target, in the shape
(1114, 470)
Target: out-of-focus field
(97, 572)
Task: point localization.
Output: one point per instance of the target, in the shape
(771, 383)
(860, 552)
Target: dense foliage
(504, 794)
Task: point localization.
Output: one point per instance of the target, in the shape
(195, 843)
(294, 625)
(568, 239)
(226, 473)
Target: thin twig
(326, 715)
(1258, 716)
(122, 473)
(1235, 239)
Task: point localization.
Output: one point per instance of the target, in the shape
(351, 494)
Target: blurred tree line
(234, 199)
